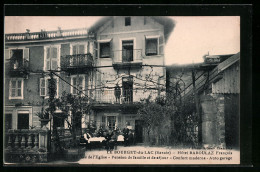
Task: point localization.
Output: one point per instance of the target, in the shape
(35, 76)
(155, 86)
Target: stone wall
(213, 120)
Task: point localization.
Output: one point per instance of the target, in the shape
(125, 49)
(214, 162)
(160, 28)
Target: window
(151, 47)
(23, 121)
(127, 21)
(78, 49)
(51, 57)
(16, 89)
(44, 89)
(19, 58)
(8, 121)
(79, 83)
(127, 50)
(104, 50)
(111, 122)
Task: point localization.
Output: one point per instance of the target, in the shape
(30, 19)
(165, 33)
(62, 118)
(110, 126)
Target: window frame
(46, 80)
(45, 56)
(83, 84)
(109, 41)
(23, 111)
(8, 53)
(134, 48)
(78, 44)
(16, 88)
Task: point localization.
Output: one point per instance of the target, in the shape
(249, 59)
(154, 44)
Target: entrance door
(138, 131)
(111, 122)
(128, 89)
(127, 53)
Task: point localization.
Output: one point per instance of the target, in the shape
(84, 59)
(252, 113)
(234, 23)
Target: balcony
(124, 96)
(18, 68)
(44, 35)
(76, 63)
(127, 59)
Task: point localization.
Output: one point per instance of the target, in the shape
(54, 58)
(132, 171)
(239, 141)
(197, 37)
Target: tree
(155, 116)
(73, 107)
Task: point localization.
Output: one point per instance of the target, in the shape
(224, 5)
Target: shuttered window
(154, 45)
(78, 82)
(52, 57)
(78, 49)
(16, 89)
(151, 47)
(44, 90)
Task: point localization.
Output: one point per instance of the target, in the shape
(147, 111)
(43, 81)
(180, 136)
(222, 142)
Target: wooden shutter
(48, 54)
(74, 84)
(42, 87)
(54, 58)
(81, 49)
(74, 49)
(161, 45)
(7, 54)
(26, 54)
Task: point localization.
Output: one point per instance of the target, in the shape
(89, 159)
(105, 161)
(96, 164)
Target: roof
(168, 24)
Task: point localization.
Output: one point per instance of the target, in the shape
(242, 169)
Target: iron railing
(127, 56)
(78, 60)
(124, 96)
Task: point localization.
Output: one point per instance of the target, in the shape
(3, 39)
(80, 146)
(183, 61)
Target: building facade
(130, 56)
(117, 63)
(29, 57)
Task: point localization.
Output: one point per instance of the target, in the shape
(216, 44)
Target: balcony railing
(46, 34)
(18, 67)
(27, 145)
(127, 56)
(76, 61)
(124, 96)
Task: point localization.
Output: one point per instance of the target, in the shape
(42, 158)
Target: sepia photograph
(107, 90)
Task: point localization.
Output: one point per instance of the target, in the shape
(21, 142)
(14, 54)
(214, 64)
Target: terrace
(47, 35)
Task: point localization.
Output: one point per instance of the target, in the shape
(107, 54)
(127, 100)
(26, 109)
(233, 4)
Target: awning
(152, 36)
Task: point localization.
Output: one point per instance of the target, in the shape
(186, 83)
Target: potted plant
(44, 117)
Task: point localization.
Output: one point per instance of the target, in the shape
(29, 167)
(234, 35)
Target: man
(126, 136)
(117, 93)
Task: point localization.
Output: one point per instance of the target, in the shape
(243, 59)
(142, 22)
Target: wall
(213, 120)
(138, 30)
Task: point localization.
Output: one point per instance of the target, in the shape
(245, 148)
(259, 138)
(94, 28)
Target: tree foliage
(73, 107)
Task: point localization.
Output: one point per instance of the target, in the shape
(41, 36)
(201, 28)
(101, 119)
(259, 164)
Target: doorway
(139, 131)
(127, 51)
(127, 85)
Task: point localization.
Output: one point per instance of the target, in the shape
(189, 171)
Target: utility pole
(198, 114)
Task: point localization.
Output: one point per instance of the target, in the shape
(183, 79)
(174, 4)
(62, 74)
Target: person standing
(117, 93)
(126, 136)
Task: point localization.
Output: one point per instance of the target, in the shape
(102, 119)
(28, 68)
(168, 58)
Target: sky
(191, 38)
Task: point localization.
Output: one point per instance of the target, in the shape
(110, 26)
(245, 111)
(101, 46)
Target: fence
(124, 96)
